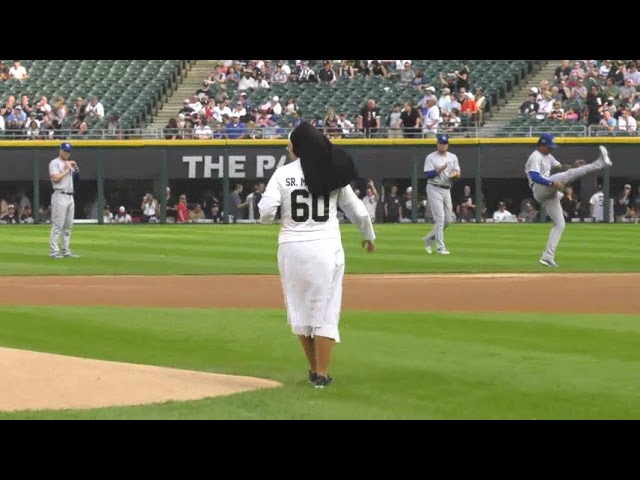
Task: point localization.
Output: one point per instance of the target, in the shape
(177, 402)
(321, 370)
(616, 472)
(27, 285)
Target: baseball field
(187, 322)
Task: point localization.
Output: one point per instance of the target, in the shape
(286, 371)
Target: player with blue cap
(547, 188)
(441, 168)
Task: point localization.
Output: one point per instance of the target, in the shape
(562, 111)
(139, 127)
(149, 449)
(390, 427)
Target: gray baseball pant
(439, 200)
(62, 213)
(549, 198)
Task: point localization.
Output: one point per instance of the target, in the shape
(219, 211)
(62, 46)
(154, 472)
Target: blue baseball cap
(66, 146)
(547, 140)
(443, 139)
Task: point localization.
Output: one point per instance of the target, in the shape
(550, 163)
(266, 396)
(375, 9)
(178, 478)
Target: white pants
(312, 273)
(549, 198)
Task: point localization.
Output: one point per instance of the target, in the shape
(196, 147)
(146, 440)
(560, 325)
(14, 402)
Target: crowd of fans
(212, 113)
(39, 119)
(601, 94)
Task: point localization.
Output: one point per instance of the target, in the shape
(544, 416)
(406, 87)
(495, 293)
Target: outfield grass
(244, 249)
(424, 366)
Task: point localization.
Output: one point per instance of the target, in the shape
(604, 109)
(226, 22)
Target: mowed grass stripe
(416, 366)
(228, 249)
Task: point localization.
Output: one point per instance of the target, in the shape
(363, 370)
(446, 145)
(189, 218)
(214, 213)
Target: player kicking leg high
(546, 187)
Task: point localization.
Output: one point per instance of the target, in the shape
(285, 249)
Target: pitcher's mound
(38, 381)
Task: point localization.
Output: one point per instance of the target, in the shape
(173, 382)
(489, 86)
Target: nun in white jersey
(311, 261)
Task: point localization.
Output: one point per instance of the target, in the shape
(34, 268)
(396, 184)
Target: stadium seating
(498, 78)
(132, 88)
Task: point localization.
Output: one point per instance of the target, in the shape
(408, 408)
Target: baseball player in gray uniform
(62, 172)
(546, 188)
(441, 168)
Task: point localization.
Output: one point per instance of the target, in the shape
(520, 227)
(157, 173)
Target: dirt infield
(571, 293)
(45, 381)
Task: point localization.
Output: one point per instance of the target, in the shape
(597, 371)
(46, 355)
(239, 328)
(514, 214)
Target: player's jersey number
(301, 200)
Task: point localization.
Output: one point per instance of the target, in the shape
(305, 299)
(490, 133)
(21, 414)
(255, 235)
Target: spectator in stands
(272, 130)
(545, 105)
(122, 216)
(571, 115)
(232, 76)
(626, 123)
(8, 107)
(393, 122)
(419, 82)
(203, 130)
(410, 121)
(579, 91)
(275, 107)
(261, 81)
(616, 73)
(25, 103)
(345, 124)
(557, 112)
(529, 214)
(604, 68)
(32, 131)
(219, 75)
(26, 215)
(327, 74)
(291, 106)
(235, 129)
(60, 109)
(182, 210)
(221, 95)
(305, 74)
(463, 75)
(622, 206)
(79, 127)
(562, 72)
(2, 124)
(221, 109)
(632, 74)
(431, 120)
(502, 214)
(264, 116)
(467, 201)
(607, 121)
(95, 108)
(78, 107)
(17, 71)
(468, 110)
(628, 92)
(346, 69)
(11, 217)
(611, 89)
(376, 69)
(4, 71)
(171, 130)
(407, 74)
(368, 120)
(279, 76)
(239, 110)
(196, 214)
(453, 121)
(595, 103)
(16, 120)
(247, 82)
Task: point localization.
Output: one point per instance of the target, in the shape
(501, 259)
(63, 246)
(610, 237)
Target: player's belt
(64, 193)
(446, 187)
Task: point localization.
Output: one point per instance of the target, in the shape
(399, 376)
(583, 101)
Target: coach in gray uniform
(440, 168)
(62, 172)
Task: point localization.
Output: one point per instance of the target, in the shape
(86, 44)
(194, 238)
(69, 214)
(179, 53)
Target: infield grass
(418, 366)
(251, 249)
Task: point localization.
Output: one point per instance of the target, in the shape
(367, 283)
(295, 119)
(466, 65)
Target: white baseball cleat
(444, 252)
(548, 262)
(604, 155)
(427, 244)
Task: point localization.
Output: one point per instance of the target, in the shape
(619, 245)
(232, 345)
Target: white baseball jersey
(57, 165)
(537, 162)
(304, 216)
(434, 160)
(597, 200)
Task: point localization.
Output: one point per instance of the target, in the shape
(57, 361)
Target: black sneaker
(312, 377)
(321, 382)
